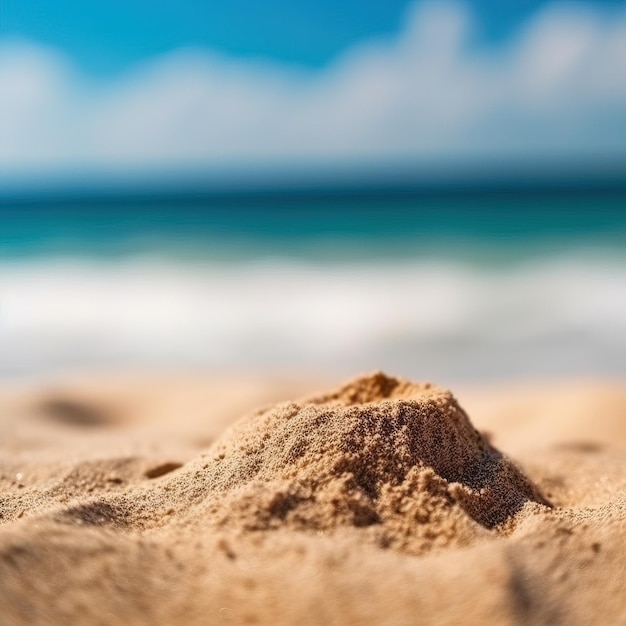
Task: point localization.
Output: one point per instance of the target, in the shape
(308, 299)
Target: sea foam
(564, 314)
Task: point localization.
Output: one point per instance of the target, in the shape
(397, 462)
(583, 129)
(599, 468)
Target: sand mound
(340, 508)
(399, 460)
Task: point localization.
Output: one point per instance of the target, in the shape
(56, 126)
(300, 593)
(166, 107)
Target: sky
(122, 91)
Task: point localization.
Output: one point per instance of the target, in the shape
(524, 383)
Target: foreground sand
(129, 500)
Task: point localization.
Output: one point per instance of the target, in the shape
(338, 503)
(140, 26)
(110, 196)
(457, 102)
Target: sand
(178, 500)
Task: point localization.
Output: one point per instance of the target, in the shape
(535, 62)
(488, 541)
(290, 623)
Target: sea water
(445, 284)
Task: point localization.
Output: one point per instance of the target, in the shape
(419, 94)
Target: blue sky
(129, 88)
(108, 37)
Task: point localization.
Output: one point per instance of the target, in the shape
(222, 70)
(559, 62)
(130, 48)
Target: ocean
(446, 284)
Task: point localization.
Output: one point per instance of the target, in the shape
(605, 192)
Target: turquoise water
(444, 284)
(393, 222)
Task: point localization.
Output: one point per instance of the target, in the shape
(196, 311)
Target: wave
(425, 318)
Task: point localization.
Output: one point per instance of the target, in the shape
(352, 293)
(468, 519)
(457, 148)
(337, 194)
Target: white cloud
(558, 87)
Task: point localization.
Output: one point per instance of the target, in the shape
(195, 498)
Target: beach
(313, 313)
(319, 407)
(282, 499)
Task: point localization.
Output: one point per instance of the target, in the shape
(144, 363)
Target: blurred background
(437, 189)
